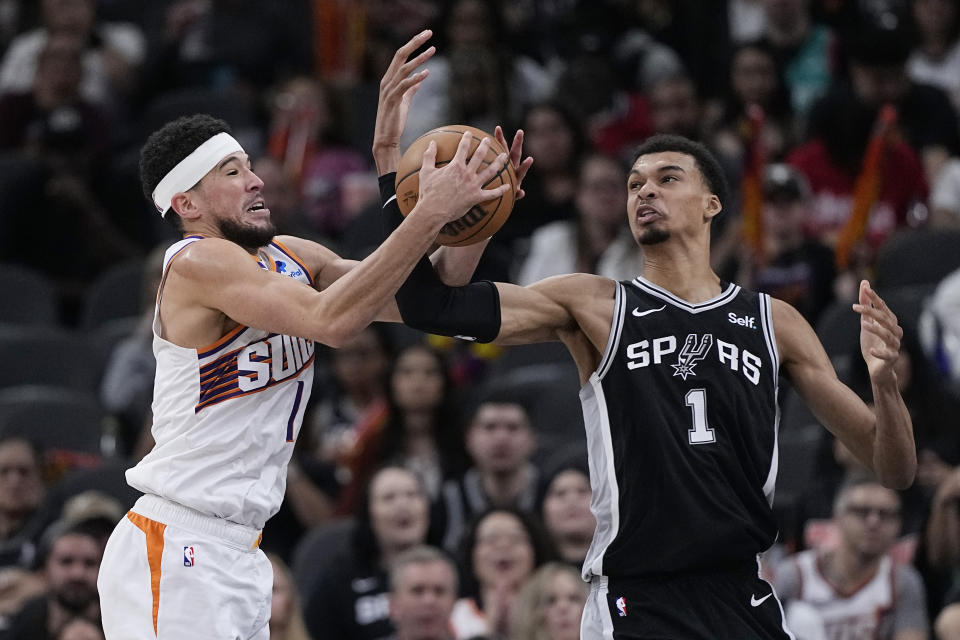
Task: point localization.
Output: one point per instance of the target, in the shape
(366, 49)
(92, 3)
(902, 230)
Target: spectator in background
(423, 590)
(754, 82)
(420, 431)
(80, 629)
(286, 615)
(565, 511)
(596, 240)
(499, 553)
(126, 389)
(351, 601)
(550, 605)
(942, 554)
(304, 129)
(70, 559)
(111, 52)
(803, 50)
(945, 198)
(554, 136)
(675, 107)
(841, 126)
(878, 76)
(21, 493)
(225, 45)
(790, 265)
(935, 58)
(355, 405)
(473, 78)
(855, 589)
(59, 142)
(501, 442)
(21, 522)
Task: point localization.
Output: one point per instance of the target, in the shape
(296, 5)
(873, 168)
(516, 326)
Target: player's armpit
(886, 451)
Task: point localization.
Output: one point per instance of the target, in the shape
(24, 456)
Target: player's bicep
(226, 279)
(530, 314)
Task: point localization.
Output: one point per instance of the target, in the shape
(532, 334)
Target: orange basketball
(484, 219)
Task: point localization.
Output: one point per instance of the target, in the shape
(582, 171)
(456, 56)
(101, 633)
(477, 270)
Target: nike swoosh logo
(756, 603)
(640, 314)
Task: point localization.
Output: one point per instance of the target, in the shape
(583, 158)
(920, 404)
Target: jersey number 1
(701, 432)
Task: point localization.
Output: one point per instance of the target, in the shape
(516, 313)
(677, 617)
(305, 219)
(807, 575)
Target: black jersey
(681, 419)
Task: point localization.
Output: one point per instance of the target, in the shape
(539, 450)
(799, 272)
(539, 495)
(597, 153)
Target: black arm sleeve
(470, 312)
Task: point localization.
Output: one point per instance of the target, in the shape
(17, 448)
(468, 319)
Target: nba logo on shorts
(622, 607)
(188, 556)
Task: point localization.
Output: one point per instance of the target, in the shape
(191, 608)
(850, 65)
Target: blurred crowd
(440, 489)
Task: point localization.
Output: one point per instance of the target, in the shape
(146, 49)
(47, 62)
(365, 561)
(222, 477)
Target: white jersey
(856, 615)
(225, 416)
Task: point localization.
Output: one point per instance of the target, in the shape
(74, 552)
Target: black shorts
(735, 605)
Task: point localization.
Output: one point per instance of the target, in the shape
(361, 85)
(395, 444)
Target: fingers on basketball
(484, 219)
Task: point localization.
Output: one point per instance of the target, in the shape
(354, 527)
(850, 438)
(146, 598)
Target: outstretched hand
(397, 88)
(880, 334)
(458, 185)
(516, 153)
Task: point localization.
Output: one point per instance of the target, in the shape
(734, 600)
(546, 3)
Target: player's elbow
(900, 476)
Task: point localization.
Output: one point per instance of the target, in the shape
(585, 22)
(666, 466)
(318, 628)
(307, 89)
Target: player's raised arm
(266, 301)
(882, 437)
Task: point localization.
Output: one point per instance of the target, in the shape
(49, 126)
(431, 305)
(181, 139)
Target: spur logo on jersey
(693, 352)
(274, 359)
(696, 349)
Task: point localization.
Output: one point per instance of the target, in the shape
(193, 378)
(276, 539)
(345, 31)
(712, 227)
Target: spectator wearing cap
(70, 561)
(92, 512)
(791, 266)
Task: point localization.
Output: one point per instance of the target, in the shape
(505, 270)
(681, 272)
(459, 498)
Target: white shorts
(171, 573)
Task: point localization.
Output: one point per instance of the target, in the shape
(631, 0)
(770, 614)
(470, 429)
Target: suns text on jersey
(274, 359)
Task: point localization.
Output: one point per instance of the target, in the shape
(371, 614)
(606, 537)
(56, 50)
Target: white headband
(191, 169)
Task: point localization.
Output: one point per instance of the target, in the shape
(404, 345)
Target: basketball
(484, 219)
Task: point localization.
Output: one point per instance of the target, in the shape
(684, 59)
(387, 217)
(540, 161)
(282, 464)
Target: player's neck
(685, 274)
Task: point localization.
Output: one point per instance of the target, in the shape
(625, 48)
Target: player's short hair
(707, 164)
(170, 144)
(421, 554)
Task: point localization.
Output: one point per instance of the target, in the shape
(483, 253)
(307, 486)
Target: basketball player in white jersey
(238, 313)
(680, 374)
(855, 590)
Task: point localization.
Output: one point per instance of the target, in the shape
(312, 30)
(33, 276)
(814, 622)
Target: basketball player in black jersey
(680, 372)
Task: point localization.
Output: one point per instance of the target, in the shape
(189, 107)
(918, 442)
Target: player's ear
(185, 205)
(712, 207)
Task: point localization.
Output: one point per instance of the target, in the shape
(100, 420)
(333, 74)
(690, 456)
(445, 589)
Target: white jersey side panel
(225, 416)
